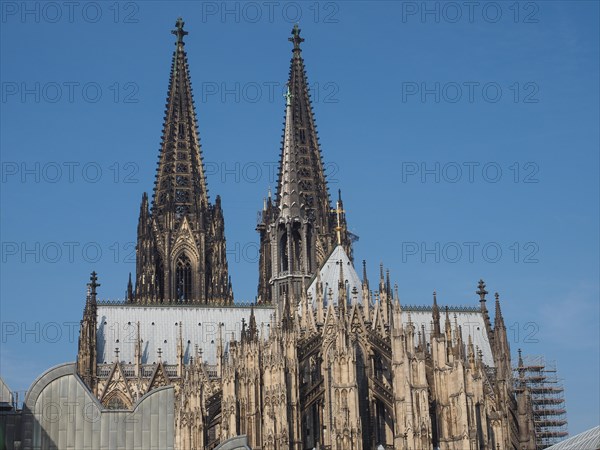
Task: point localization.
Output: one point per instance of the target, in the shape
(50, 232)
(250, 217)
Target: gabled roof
(159, 328)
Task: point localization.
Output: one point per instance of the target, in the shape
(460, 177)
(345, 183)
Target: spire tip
(179, 31)
(296, 39)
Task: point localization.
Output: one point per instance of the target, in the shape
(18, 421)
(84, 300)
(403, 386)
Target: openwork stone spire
(181, 255)
(289, 190)
(180, 188)
(309, 168)
(299, 229)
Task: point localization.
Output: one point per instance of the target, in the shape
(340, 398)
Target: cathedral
(324, 359)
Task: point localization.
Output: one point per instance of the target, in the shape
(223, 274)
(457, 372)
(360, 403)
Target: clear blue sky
(84, 89)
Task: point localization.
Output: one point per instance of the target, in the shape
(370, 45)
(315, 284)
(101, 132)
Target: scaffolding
(540, 378)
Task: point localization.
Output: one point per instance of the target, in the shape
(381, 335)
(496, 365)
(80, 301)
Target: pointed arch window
(283, 252)
(297, 249)
(309, 249)
(183, 278)
(116, 400)
(159, 278)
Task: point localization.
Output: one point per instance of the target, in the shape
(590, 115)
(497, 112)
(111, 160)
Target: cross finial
(117, 353)
(159, 354)
(481, 290)
(179, 31)
(93, 284)
(296, 39)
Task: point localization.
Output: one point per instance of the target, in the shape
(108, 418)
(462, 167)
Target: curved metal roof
(588, 440)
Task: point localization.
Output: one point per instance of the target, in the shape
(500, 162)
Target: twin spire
(181, 254)
(299, 230)
(180, 189)
(289, 191)
(302, 182)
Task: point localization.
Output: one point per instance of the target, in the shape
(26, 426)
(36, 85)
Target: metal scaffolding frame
(541, 379)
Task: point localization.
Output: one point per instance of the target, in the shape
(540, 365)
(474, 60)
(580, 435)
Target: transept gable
(378, 324)
(159, 378)
(117, 392)
(330, 325)
(184, 239)
(357, 323)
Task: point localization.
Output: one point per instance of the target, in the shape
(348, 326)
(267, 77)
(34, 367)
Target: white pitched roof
(330, 276)
(117, 327)
(471, 323)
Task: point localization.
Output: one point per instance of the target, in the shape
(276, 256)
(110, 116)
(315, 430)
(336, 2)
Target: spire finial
(296, 39)
(520, 359)
(252, 328)
(341, 280)
(93, 284)
(129, 289)
(436, 316)
(388, 284)
(498, 310)
(481, 290)
(179, 31)
(339, 211)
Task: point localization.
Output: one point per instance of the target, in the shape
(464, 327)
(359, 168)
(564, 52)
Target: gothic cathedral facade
(323, 359)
